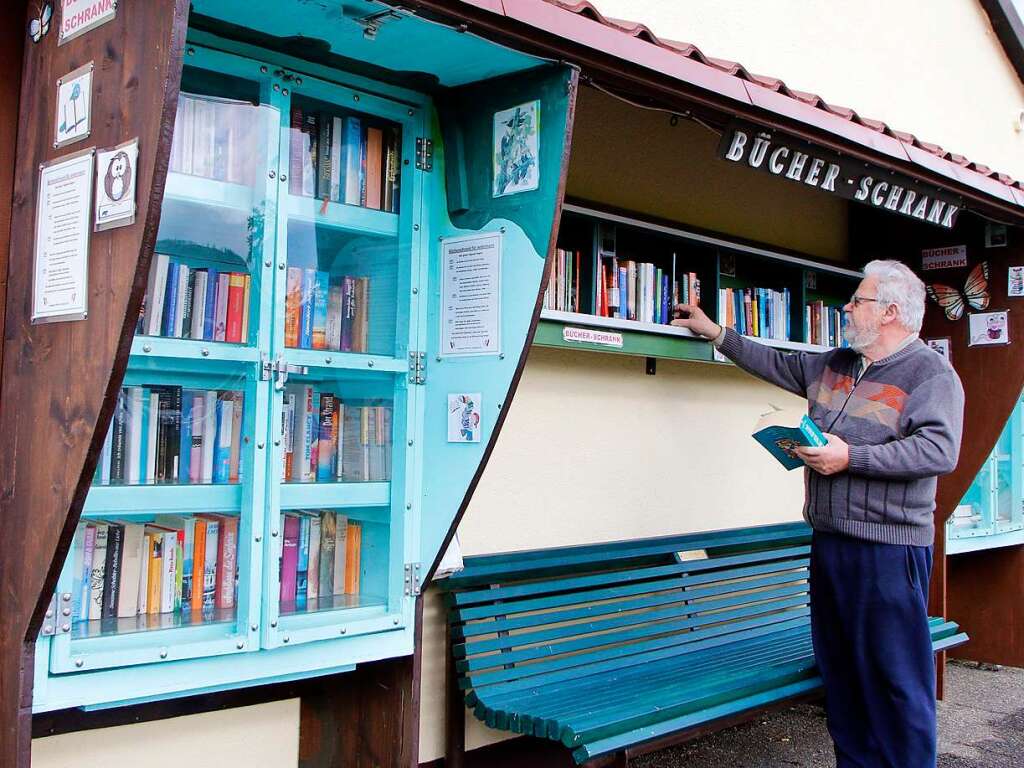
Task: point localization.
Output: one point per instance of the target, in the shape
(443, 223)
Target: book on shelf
(320, 557)
(824, 324)
(131, 568)
(760, 312)
(343, 159)
(200, 303)
(324, 439)
(643, 291)
(563, 291)
(781, 430)
(172, 434)
(326, 313)
(215, 138)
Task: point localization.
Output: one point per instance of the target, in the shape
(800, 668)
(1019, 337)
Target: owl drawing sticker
(115, 186)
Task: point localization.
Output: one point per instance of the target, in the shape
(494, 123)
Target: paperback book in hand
(781, 431)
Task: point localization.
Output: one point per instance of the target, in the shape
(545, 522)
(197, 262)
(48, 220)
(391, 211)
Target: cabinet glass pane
(1002, 455)
(333, 559)
(203, 282)
(342, 242)
(174, 434)
(973, 516)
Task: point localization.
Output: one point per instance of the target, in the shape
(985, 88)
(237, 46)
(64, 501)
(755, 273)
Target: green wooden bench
(615, 649)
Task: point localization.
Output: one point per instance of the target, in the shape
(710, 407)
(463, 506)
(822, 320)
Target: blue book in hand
(780, 431)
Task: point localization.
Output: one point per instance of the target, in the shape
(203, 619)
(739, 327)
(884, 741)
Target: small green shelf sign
(591, 336)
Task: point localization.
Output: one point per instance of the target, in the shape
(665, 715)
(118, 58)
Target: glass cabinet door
(337, 525)
(164, 563)
(975, 515)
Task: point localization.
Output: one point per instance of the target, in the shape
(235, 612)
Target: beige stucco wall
(594, 449)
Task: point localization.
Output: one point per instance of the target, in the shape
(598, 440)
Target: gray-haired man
(892, 410)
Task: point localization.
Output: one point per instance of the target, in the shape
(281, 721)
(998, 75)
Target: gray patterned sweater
(902, 420)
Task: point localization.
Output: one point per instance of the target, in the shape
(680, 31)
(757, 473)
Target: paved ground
(981, 725)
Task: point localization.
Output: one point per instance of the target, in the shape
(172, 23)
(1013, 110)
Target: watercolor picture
(942, 346)
(988, 328)
(464, 418)
(516, 149)
(1015, 282)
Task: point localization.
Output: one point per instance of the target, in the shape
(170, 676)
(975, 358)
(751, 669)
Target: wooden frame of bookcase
(666, 341)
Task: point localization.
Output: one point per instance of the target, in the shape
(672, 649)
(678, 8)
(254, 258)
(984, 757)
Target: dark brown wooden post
(59, 380)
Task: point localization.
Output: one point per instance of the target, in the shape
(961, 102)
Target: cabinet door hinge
(412, 578)
(417, 368)
(50, 619)
(424, 154)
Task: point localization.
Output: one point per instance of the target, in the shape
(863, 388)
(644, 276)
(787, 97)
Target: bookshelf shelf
(638, 342)
(183, 187)
(344, 361)
(342, 218)
(154, 622)
(149, 500)
(189, 349)
(360, 606)
(309, 495)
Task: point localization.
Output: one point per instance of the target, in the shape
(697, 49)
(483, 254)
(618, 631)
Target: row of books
(320, 557)
(123, 569)
(327, 440)
(321, 313)
(563, 291)
(824, 324)
(643, 291)
(761, 312)
(343, 159)
(188, 303)
(215, 138)
(170, 434)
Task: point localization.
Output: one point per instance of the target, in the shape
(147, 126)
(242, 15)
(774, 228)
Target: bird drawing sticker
(73, 121)
(516, 150)
(115, 186)
(464, 418)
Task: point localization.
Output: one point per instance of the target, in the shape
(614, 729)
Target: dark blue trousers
(869, 625)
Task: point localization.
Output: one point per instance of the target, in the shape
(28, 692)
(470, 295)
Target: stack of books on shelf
(320, 558)
(824, 324)
(642, 291)
(171, 434)
(184, 302)
(326, 440)
(344, 159)
(321, 313)
(177, 564)
(563, 292)
(760, 312)
(215, 138)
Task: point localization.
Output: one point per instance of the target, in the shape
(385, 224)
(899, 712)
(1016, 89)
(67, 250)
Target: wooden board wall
(60, 379)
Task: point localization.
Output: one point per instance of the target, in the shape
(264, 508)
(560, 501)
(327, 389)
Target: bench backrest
(524, 619)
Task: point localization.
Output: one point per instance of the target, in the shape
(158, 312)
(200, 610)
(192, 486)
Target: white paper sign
(73, 118)
(944, 258)
(464, 418)
(63, 214)
(590, 336)
(79, 16)
(115, 185)
(471, 295)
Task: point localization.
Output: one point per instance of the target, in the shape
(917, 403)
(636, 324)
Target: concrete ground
(981, 725)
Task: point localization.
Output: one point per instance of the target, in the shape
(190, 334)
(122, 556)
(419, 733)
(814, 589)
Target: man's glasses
(858, 300)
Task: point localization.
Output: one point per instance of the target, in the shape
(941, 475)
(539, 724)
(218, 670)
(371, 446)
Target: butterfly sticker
(40, 23)
(953, 301)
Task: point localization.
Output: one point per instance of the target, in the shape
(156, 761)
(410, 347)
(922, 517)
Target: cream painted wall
(933, 68)
(262, 736)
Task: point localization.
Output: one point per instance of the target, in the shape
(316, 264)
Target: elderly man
(892, 411)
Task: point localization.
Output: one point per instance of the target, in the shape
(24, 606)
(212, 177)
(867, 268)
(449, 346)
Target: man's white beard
(861, 338)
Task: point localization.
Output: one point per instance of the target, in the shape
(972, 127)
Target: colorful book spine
(222, 444)
(307, 308)
(289, 559)
(318, 330)
(235, 302)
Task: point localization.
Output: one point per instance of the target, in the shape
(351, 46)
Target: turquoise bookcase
(991, 513)
(239, 201)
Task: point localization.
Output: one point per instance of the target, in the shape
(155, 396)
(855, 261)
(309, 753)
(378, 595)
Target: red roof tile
(640, 31)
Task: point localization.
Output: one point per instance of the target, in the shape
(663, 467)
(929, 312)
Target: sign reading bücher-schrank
(804, 163)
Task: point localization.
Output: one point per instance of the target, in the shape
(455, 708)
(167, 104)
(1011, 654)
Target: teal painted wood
(641, 638)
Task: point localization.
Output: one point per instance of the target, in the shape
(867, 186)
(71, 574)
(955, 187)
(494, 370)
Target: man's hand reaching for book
(830, 459)
(691, 316)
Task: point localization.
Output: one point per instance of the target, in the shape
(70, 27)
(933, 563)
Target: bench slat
(463, 631)
(475, 596)
(506, 642)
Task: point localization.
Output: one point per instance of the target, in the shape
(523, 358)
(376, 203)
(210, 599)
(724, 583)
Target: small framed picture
(988, 328)
(942, 346)
(517, 149)
(464, 418)
(73, 120)
(1015, 282)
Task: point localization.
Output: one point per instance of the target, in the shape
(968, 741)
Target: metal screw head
(259, 445)
(205, 352)
(342, 631)
(267, 263)
(273, 533)
(298, 81)
(284, 91)
(277, 442)
(66, 597)
(146, 348)
(395, 622)
(284, 177)
(65, 627)
(410, 442)
(408, 505)
(411, 113)
(263, 69)
(273, 623)
(327, 360)
(254, 627)
(415, 291)
(259, 539)
(272, 174)
(240, 645)
(65, 612)
(79, 663)
(369, 363)
(49, 613)
(163, 653)
(501, 356)
(281, 265)
(285, 639)
(355, 97)
(277, 87)
(191, 51)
